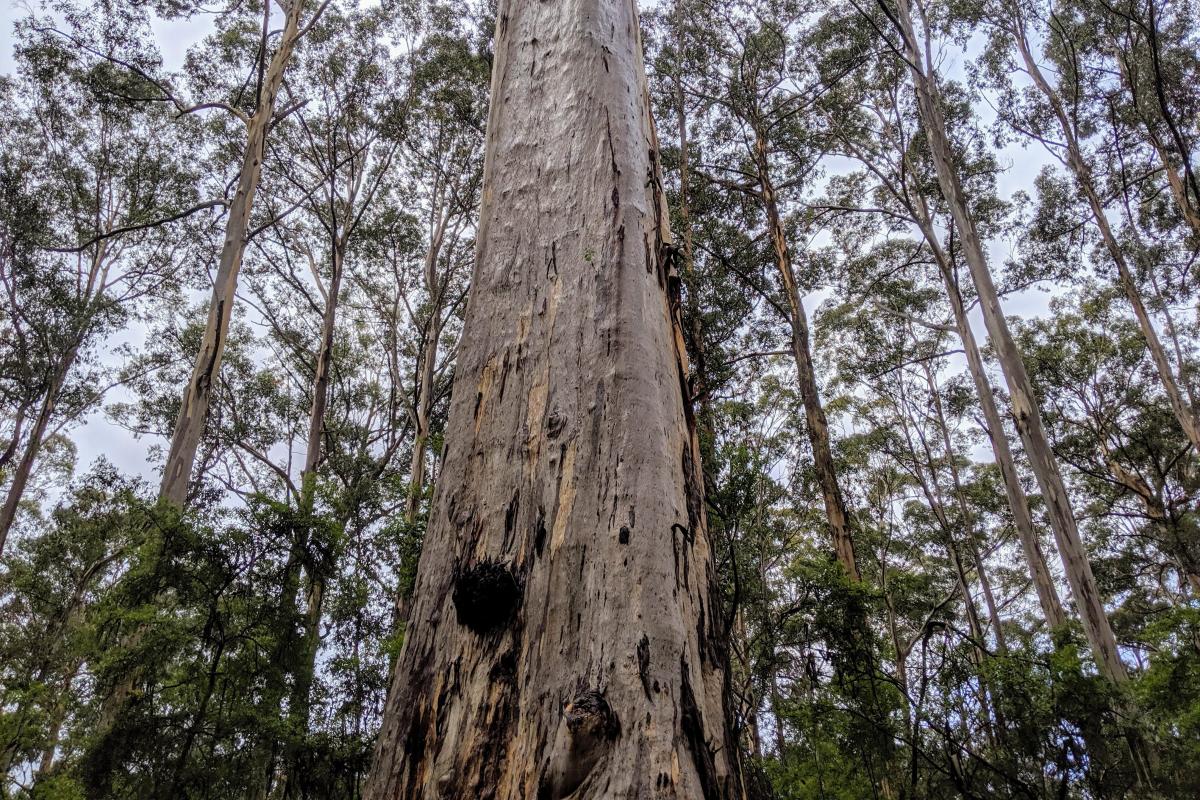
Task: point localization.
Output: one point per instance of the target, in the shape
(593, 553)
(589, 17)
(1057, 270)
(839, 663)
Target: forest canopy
(805, 393)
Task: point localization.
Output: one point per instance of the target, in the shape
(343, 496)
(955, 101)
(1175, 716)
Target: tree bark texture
(565, 637)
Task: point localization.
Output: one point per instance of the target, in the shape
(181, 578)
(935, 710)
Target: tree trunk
(1039, 572)
(426, 366)
(90, 293)
(700, 388)
(926, 477)
(189, 425)
(964, 510)
(314, 447)
(422, 407)
(1026, 414)
(565, 637)
(33, 445)
(1183, 412)
(1182, 186)
(315, 573)
(814, 413)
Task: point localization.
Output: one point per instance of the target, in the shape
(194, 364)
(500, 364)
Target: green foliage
(242, 648)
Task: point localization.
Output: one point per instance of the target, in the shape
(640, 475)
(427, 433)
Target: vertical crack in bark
(643, 660)
(692, 723)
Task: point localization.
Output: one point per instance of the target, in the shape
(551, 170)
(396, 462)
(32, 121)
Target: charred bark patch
(643, 659)
(205, 379)
(505, 368)
(689, 539)
(539, 533)
(486, 596)
(501, 712)
(450, 689)
(552, 261)
(623, 535)
(510, 518)
(505, 668)
(589, 715)
(414, 750)
(414, 742)
(694, 492)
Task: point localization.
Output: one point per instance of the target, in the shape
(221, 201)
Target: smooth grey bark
(197, 394)
(565, 637)
(917, 208)
(1018, 502)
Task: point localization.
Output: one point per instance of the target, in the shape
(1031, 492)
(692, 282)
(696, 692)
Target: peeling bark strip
(570, 419)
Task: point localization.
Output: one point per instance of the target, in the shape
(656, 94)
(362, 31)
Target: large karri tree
(565, 638)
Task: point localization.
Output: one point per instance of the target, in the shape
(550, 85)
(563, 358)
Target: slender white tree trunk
(1080, 168)
(1026, 413)
(197, 395)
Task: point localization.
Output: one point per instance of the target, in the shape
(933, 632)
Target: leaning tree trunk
(565, 637)
(1183, 187)
(197, 394)
(33, 445)
(1026, 414)
(1184, 413)
(1035, 559)
(816, 422)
